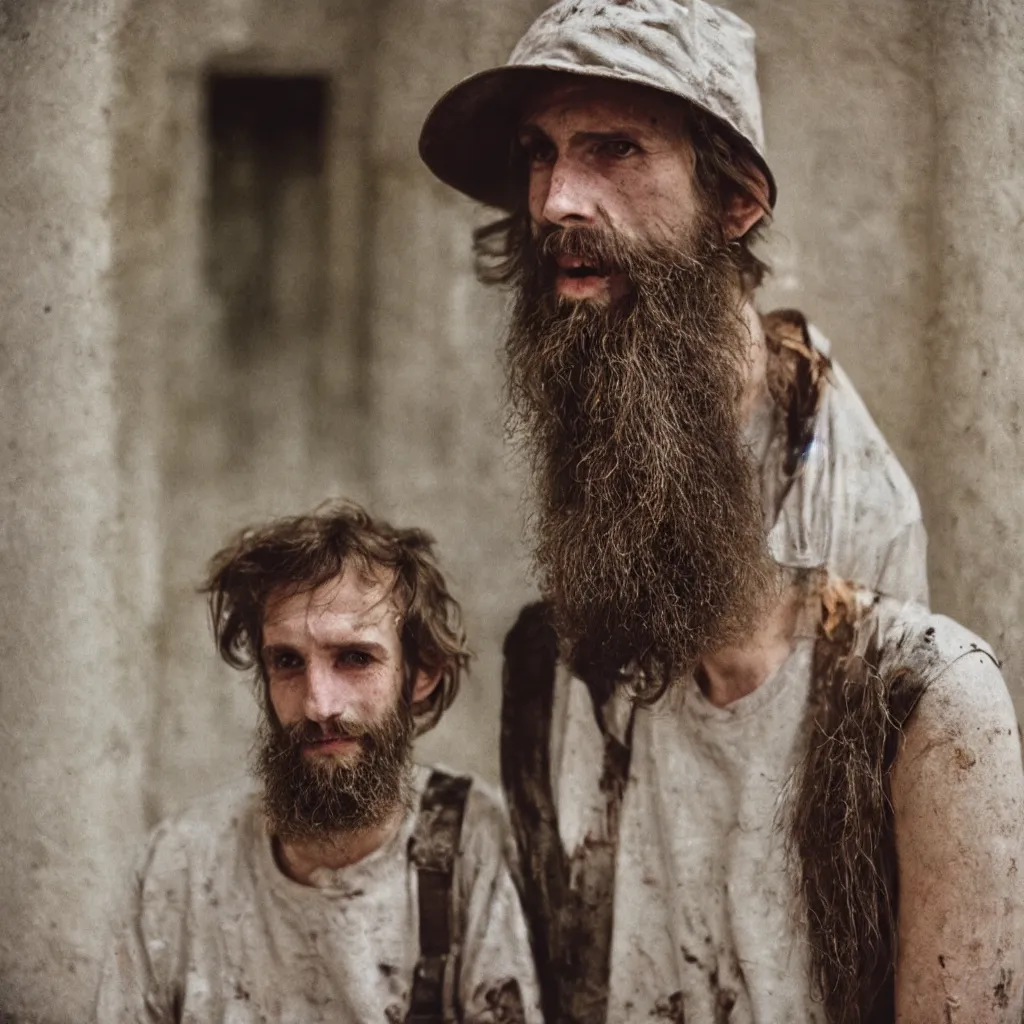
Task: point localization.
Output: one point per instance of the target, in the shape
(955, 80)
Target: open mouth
(576, 267)
(583, 270)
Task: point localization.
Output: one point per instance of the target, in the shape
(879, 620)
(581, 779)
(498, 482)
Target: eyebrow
(535, 131)
(369, 646)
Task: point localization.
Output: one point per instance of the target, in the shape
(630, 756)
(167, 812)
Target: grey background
(153, 399)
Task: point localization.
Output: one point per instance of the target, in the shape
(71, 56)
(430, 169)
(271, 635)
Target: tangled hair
(301, 553)
(840, 829)
(841, 833)
(723, 170)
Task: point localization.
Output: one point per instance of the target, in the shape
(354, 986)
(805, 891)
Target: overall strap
(567, 900)
(434, 850)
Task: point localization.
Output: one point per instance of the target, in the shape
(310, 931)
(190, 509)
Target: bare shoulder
(958, 803)
(965, 708)
(960, 758)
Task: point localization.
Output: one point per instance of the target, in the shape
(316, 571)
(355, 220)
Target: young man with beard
(356, 886)
(745, 786)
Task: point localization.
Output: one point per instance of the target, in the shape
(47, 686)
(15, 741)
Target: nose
(325, 692)
(562, 194)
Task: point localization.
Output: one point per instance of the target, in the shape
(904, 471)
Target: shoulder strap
(434, 850)
(567, 901)
(528, 686)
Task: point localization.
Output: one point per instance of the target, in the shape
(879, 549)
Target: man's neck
(300, 859)
(733, 672)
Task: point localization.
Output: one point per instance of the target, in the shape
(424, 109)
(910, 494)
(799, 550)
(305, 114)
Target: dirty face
(335, 746)
(612, 156)
(333, 659)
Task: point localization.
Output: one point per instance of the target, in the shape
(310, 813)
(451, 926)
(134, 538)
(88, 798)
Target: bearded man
(356, 886)
(749, 781)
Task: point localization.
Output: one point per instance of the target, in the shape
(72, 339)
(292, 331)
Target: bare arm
(958, 798)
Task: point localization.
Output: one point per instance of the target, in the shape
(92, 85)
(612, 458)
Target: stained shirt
(851, 506)
(214, 931)
(707, 925)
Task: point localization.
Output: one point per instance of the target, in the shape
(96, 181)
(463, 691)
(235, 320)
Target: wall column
(438, 457)
(70, 702)
(971, 430)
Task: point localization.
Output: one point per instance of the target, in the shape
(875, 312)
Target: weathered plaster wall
(266, 423)
(71, 709)
(437, 450)
(848, 115)
(971, 416)
(393, 400)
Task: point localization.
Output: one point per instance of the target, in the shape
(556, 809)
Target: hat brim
(469, 139)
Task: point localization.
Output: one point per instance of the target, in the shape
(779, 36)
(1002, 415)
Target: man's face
(612, 156)
(333, 653)
(335, 745)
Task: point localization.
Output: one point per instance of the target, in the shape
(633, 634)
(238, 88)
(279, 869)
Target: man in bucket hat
(745, 784)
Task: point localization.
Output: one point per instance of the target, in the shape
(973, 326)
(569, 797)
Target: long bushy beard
(649, 533)
(319, 798)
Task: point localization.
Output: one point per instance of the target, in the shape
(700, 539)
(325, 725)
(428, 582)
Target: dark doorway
(267, 216)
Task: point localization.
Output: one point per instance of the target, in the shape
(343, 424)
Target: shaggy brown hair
(301, 553)
(723, 170)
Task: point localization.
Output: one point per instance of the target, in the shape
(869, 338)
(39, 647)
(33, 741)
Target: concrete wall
(391, 397)
(971, 417)
(142, 424)
(252, 419)
(848, 117)
(72, 710)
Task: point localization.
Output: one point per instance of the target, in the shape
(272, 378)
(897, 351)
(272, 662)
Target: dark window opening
(267, 216)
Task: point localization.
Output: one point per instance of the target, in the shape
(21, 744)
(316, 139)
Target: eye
(618, 149)
(538, 150)
(354, 659)
(284, 661)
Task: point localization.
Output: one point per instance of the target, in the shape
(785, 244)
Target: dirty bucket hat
(690, 49)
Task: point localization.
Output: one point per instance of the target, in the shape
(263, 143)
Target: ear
(424, 685)
(742, 213)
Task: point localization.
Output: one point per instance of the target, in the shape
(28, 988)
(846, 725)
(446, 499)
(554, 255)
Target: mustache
(601, 249)
(337, 727)
(606, 250)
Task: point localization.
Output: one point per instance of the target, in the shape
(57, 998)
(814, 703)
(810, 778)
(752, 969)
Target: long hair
(300, 553)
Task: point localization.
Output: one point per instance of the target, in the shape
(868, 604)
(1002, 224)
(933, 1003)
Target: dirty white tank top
(707, 920)
(705, 908)
(705, 914)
